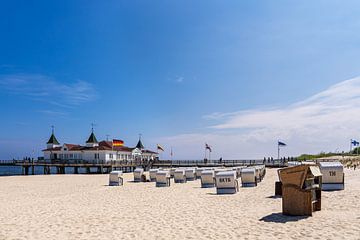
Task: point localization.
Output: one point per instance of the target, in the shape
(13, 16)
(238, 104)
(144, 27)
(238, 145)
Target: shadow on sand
(280, 218)
(274, 196)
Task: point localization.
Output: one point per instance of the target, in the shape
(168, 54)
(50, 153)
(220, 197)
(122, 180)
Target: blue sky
(182, 73)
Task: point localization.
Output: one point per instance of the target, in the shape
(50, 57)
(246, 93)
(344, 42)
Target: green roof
(53, 140)
(92, 139)
(139, 145)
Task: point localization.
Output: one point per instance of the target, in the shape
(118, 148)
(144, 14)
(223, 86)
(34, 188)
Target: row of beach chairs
(224, 179)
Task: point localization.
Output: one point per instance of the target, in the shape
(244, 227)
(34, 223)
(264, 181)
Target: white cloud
(42, 87)
(53, 113)
(323, 122)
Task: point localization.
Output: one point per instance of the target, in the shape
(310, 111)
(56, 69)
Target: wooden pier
(61, 166)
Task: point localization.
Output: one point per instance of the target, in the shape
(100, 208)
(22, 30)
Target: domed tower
(92, 141)
(53, 142)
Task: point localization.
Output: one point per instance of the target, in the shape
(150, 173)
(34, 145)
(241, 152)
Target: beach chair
(226, 182)
(152, 174)
(115, 178)
(179, 176)
(257, 173)
(190, 174)
(172, 171)
(260, 172)
(333, 177)
(198, 172)
(207, 178)
(139, 175)
(248, 177)
(278, 186)
(217, 170)
(238, 171)
(163, 178)
(301, 189)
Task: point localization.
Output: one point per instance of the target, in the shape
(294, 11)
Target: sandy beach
(84, 207)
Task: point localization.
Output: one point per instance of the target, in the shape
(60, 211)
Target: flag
(281, 144)
(354, 142)
(118, 143)
(207, 147)
(159, 147)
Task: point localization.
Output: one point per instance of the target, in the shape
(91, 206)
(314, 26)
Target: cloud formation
(42, 87)
(323, 122)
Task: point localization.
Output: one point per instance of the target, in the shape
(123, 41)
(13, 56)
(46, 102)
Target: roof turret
(92, 138)
(53, 140)
(139, 145)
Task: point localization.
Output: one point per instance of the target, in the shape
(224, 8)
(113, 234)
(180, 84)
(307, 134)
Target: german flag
(118, 143)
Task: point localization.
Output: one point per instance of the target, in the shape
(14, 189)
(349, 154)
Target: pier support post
(87, 170)
(76, 170)
(32, 169)
(26, 170)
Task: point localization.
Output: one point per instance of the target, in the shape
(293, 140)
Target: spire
(92, 138)
(52, 139)
(139, 145)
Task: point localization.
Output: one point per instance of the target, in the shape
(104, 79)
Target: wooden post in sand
(26, 170)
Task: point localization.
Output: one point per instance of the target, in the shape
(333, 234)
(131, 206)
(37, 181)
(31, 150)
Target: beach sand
(84, 207)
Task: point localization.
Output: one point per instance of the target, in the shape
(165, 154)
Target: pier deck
(126, 166)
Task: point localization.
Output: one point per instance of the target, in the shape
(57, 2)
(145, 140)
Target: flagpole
(350, 145)
(171, 153)
(205, 152)
(278, 150)
(278, 153)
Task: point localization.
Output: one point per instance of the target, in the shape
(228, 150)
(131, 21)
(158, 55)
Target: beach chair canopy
(208, 172)
(248, 170)
(139, 170)
(163, 173)
(335, 165)
(296, 175)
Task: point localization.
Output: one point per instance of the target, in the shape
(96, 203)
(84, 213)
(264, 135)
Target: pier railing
(143, 163)
(207, 162)
(137, 162)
